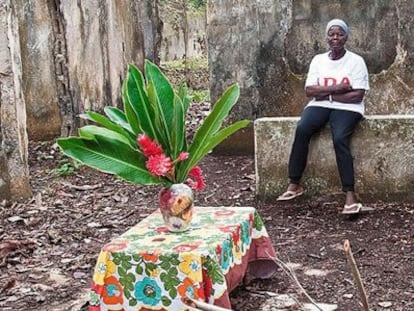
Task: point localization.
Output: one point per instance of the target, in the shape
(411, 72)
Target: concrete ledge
(383, 148)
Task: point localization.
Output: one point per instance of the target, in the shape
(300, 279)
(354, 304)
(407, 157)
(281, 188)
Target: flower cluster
(161, 165)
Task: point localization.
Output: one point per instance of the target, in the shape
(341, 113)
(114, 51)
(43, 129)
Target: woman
(337, 81)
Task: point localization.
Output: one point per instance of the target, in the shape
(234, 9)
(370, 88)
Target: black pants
(342, 125)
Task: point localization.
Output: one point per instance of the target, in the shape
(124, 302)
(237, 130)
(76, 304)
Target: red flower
(198, 183)
(159, 165)
(185, 247)
(115, 245)
(224, 213)
(112, 293)
(187, 288)
(162, 229)
(182, 156)
(149, 147)
(150, 255)
(206, 286)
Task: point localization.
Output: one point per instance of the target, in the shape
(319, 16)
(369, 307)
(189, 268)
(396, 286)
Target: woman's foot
(352, 206)
(293, 191)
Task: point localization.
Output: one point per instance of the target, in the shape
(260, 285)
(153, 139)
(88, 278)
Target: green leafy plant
(66, 167)
(145, 143)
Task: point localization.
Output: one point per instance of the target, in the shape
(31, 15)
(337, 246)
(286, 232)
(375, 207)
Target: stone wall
(266, 47)
(75, 55)
(173, 46)
(58, 59)
(383, 148)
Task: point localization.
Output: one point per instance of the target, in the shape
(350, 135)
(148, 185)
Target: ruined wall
(14, 171)
(75, 55)
(58, 59)
(173, 47)
(266, 46)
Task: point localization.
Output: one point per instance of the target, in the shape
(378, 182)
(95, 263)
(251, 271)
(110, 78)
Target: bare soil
(49, 244)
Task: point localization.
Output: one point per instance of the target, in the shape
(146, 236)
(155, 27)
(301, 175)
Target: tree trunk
(14, 174)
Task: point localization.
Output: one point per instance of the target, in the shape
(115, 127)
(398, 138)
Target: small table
(150, 268)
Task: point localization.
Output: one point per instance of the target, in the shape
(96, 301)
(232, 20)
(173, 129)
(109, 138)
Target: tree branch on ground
(356, 274)
(292, 275)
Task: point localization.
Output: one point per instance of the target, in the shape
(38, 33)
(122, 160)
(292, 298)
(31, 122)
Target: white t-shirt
(351, 68)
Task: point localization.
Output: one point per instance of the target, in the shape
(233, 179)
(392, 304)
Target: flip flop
(352, 209)
(289, 195)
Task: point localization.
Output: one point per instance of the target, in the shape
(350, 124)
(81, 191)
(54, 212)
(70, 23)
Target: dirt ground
(49, 244)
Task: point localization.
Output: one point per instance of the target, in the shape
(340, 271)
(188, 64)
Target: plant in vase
(146, 143)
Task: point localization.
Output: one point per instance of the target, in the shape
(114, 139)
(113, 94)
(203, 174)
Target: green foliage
(194, 64)
(152, 107)
(199, 96)
(195, 4)
(198, 4)
(67, 166)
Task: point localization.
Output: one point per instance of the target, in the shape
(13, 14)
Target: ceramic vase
(176, 205)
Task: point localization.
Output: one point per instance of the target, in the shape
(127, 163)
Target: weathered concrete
(383, 148)
(14, 171)
(173, 45)
(266, 46)
(75, 55)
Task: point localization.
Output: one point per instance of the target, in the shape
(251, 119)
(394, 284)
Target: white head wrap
(337, 22)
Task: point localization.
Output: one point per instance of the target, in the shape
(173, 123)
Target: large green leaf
(224, 134)
(216, 117)
(164, 99)
(158, 123)
(90, 131)
(117, 116)
(109, 156)
(179, 141)
(102, 120)
(208, 129)
(130, 114)
(185, 99)
(219, 137)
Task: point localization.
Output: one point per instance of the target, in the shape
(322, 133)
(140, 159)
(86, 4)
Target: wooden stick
(202, 305)
(356, 275)
(291, 273)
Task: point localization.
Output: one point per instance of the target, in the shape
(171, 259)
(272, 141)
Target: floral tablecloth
(149, 268)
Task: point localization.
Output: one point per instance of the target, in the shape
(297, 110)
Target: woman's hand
(320, 92)
(341, 92)
(341, 88)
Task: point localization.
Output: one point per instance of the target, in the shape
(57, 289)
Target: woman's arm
(351, 97)
(340, 92)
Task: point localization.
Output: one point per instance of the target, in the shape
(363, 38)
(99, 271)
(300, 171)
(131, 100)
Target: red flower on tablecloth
(251, 221)
(112, 293)
(150, 255)
(162, 229)
(218, 253)
(224, 213)
(95, 294)
(229, 228)
(186, 247)
(97, 288)
(236, 235)
(205, 286)
(187, 289)
(116, 245)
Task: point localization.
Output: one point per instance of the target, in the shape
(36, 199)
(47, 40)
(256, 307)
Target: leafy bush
(146, 143)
